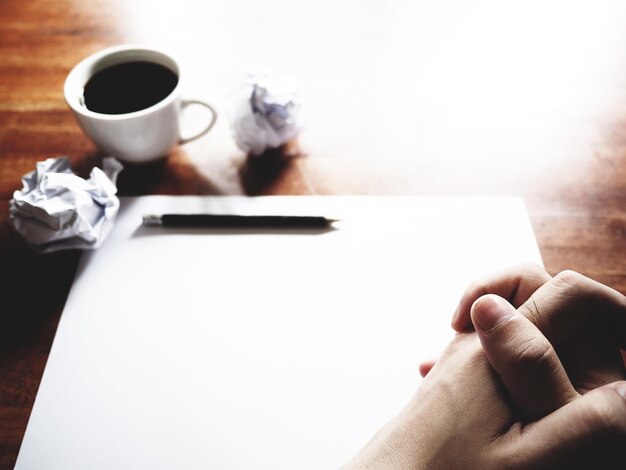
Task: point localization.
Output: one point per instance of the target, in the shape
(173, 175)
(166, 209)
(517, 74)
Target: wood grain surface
(403, 97)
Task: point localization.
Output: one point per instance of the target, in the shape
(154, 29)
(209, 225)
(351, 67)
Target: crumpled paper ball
(265, 114)
(58, 210)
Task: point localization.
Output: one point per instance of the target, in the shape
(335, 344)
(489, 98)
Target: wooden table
(405, 97)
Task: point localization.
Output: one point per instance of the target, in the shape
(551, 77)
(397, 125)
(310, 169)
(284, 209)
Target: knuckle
(533, 269)
(477, 288)
(577, 288)
(603, 418)
(533, 353)
(569, 279)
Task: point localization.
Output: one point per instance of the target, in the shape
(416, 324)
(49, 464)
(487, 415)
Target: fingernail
(490, 311)
(621, 389)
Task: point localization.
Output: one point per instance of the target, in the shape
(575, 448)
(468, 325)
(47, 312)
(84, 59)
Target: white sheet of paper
(243, 350)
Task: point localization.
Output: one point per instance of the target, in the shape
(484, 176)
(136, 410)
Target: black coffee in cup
(128, 87)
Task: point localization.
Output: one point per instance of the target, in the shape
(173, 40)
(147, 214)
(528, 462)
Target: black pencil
(236, 221)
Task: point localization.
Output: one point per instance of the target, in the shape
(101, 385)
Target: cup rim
(85, 69)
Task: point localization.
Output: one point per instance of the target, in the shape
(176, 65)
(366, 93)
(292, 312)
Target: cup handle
(207, 128)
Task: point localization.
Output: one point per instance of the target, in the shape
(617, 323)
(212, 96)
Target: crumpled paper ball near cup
(58, 210)
(127, 100)
(265, 113)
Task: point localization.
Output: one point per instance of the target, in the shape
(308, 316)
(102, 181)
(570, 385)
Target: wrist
(407, 441)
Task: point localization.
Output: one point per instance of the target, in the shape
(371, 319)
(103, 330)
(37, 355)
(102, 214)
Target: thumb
(589, 432)
(523, 358)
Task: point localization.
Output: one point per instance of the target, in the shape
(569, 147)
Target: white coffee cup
(140, 136)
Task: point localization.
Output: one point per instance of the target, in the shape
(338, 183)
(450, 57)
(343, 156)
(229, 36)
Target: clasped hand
(533, 379)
